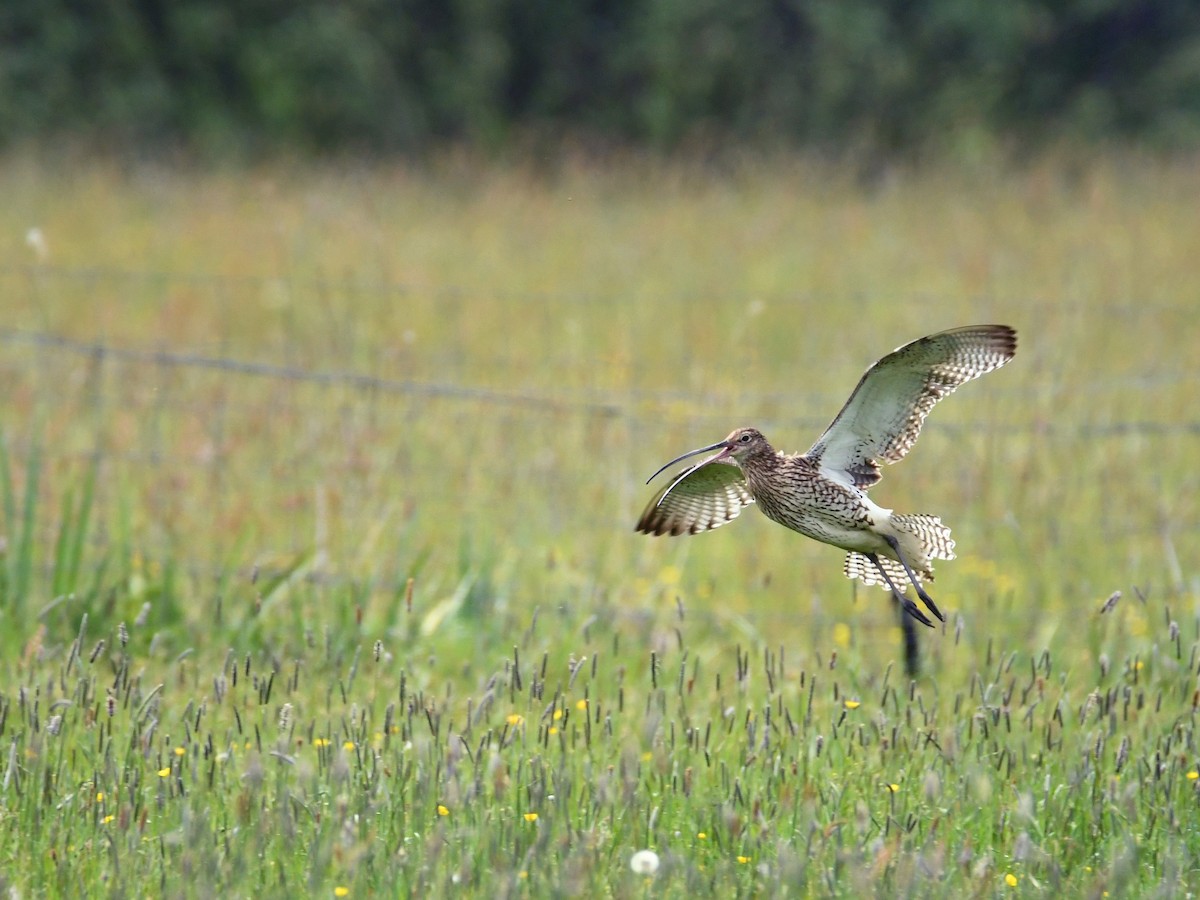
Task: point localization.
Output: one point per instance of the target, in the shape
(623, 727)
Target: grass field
(319, 576)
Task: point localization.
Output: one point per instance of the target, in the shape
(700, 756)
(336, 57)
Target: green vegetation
(318, 577)
(223, 79)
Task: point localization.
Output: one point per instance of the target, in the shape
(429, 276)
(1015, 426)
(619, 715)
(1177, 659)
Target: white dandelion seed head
(35, 240)
(644, 862)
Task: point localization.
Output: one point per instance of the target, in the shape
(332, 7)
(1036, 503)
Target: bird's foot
(928, 601)
(915, 611)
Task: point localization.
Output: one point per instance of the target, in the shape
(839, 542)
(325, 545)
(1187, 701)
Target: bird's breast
(805, 501)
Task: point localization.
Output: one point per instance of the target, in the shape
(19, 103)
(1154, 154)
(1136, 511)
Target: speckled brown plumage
(822, 493)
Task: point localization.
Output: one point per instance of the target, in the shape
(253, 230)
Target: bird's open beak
(723, 446)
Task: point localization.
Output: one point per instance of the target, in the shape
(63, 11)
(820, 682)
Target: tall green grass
(318, 487)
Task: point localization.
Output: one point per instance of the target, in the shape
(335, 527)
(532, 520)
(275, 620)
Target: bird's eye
(745, 438)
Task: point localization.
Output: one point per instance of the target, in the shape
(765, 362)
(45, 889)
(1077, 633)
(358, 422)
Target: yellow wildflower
(743, 859)
(442, 811)
(164, 772)
(853, 704)
(341, 891)
(1010, 879)
(531, 817)
(581, 704)
(180, 751)
(349, 745)
(514, 719)
(1193, 775)
(700, 835)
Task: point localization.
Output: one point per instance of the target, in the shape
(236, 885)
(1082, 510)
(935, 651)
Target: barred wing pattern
(702, 498)
(883, 417)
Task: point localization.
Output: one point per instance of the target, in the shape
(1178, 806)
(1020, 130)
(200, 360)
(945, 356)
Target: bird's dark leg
(907, 605)
(925, 598)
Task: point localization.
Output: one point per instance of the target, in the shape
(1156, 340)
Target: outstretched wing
(883, 416)
(700, 499)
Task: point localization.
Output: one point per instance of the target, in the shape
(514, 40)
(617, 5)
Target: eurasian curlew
(823, 493)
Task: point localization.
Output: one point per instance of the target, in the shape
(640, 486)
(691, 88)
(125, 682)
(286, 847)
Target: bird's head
(744, 442)
(741, 444)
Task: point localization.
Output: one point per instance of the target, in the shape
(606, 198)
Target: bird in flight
(822, 493)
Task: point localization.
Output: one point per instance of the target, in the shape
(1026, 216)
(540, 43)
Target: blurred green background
(226, 79)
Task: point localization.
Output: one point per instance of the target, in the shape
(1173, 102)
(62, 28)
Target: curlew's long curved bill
(721, 445)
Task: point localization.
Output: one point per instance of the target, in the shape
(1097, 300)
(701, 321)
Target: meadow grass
(319, 575)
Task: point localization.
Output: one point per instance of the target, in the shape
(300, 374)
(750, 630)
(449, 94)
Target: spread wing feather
(701, 498)
(883, 417)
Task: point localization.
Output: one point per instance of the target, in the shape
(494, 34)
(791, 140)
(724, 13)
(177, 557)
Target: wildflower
(100, 795)
(553, 730)
(514, 719)
(701, 836)
(1193, 775)
(349, 745)
(164, 772)
(341, 891)
(108, 818)
(853, 704)
(647, 756)
(841, 635)
(442, 811)
(644, 862)
(743, 859)
(531, 817)
(557, 714)
(893, 788)
(180, 751)
(581, 704)
(669, 575)
(1010, 879)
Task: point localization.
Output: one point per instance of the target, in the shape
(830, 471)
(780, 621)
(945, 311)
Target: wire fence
(628, 405)
(216, 438)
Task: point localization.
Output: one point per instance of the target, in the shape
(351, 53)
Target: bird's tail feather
(935, 539)
(858, 566)
(921, 539)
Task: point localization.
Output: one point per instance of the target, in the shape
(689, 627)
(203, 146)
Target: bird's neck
(761, 468)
